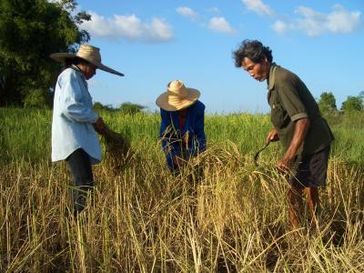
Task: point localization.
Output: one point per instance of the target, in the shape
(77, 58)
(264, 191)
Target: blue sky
(154, 42)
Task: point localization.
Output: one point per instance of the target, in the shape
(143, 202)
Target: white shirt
(73, 116)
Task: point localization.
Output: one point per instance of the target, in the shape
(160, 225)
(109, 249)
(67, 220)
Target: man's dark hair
(254, 50)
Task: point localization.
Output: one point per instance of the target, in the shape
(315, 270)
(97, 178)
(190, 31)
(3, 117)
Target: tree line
(327, 103)
(30, 30)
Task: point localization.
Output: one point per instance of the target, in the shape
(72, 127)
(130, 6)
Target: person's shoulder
(164, 112)
(284, 75)
(68, 73)
(199, 105)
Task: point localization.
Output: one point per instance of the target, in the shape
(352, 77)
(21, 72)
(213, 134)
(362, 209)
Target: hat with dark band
(88, 53)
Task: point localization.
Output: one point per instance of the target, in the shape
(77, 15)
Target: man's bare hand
(272, 136)
(285, 164)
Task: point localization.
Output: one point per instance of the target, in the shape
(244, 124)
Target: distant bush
(327, 103)
(131, 108)
(125, 108)
(98, 106)
(353, 104)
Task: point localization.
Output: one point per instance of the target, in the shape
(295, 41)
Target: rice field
(140, 218)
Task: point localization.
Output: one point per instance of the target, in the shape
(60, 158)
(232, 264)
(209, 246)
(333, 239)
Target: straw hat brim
(61, 57)
(163, 102)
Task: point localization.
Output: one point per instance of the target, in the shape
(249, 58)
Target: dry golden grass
(230, 219)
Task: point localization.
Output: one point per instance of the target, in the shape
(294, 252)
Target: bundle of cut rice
(118, 152)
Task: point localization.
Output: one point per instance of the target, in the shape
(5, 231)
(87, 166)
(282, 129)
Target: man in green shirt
(297, 123)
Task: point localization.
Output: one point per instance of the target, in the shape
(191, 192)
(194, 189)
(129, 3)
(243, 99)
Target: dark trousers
(80, 167)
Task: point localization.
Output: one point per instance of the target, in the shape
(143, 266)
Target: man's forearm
(300, 132)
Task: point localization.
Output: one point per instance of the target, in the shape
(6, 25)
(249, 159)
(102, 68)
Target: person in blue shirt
(182, 124)
(75, 123)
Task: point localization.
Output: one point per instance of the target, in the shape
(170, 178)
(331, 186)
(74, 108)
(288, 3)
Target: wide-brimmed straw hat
(88, 53)
(177, 96)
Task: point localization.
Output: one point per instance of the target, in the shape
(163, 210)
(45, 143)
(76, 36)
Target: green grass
(143, 219)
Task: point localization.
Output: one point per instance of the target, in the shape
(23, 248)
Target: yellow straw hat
(177, 96)
(86, 52)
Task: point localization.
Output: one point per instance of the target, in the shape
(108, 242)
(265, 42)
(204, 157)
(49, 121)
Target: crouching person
(182, 124)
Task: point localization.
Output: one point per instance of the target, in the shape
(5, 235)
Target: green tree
(29, 31)
(327, 102)
(352, 104)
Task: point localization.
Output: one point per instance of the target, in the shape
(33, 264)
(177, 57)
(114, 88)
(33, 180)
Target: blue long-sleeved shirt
(73, 116)
(193, 131)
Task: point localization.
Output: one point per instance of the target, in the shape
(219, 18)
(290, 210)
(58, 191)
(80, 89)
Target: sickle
(256, 156)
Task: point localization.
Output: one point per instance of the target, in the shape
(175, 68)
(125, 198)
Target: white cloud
(313, 23)
(159, 30)
(187, 12)
(128, 26)
(258, 6)
(280, 27)
(219, 24)
(342, 21)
